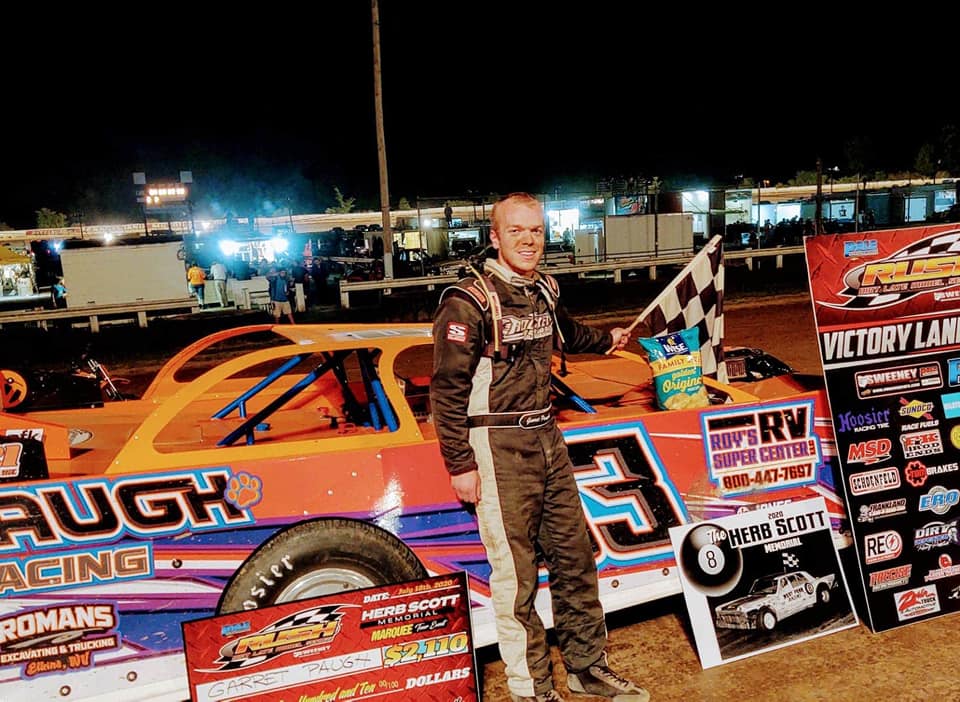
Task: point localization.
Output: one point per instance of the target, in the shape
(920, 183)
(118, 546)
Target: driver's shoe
(599, 680)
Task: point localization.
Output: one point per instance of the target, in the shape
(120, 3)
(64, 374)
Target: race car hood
(747, 603)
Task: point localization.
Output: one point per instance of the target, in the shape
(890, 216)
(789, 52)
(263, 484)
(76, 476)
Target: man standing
(218, 272)
(196, 278)
(280, 295)
(59, 293)
(490, 392)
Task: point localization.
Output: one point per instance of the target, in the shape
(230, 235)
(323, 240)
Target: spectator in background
(280, 294)
(59, 293)
(196, 278)
(448, 215)
(298, 271)
(318, 271)
(241, 268)
(218, 272)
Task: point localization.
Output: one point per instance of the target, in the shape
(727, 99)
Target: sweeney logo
(309, 627)
(926, 266)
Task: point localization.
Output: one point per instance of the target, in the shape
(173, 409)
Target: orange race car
(271, 463)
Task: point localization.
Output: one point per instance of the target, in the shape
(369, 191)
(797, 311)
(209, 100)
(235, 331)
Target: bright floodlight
(279, 244)
(229, 247)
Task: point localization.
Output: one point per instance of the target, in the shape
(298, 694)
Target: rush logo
(869, 452)
(55, 515)
(303, 629)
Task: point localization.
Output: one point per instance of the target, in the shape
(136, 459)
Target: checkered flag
(943, 244)
(790, 562)
(695, 299)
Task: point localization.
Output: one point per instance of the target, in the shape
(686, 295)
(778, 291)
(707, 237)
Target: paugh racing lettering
(55, 515)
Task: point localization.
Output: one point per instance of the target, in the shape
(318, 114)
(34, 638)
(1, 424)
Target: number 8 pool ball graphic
(708, 561)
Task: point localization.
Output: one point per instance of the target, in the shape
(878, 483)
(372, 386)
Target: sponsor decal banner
(917, 602)
(753, 449)
(888, 329)
(57, 639)
(897, 576)
(761, 579)
(891, 381)
(877, 510)
(395, 642)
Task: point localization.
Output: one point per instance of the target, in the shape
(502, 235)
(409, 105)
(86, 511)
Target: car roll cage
(378, 408)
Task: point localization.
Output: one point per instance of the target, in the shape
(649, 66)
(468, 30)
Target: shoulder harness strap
(484, 296)
(494, 301)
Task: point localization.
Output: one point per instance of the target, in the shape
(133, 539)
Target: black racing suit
(492, 413)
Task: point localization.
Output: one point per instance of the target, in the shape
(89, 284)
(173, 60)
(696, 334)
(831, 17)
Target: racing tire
(767, 619)
(319, 557)
(823, 596)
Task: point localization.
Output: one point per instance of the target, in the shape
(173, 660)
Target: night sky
(277, 108)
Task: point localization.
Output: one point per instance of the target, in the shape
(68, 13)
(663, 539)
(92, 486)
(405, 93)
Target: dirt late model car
(775, 597)
(266, 464)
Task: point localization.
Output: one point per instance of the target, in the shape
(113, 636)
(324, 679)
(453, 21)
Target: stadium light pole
(381, 147)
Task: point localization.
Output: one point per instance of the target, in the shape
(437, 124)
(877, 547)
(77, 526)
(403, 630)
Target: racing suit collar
(508, 276)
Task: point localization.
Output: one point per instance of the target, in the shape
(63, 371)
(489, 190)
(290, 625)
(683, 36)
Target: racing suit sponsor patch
(457, 332)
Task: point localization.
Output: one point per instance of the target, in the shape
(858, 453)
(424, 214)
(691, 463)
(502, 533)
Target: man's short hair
(512, 197)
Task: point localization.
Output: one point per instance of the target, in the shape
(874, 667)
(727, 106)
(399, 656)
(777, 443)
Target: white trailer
(647, 235)
(124, 273)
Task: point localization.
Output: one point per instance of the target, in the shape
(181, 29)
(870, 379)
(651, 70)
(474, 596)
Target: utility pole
(856, 206)
(819, 211)
(381, 148)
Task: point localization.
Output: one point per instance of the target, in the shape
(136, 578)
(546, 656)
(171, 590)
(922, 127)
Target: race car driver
(494, 336)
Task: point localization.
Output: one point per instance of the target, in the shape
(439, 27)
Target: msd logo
(869, 452)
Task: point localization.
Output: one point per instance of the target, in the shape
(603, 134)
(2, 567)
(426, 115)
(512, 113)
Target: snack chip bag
(675, 360)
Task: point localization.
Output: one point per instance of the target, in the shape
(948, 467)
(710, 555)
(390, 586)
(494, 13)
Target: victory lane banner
(405, 641)
(887, 310)
(762, 579)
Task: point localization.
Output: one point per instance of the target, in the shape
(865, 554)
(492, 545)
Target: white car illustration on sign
(773, 598)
